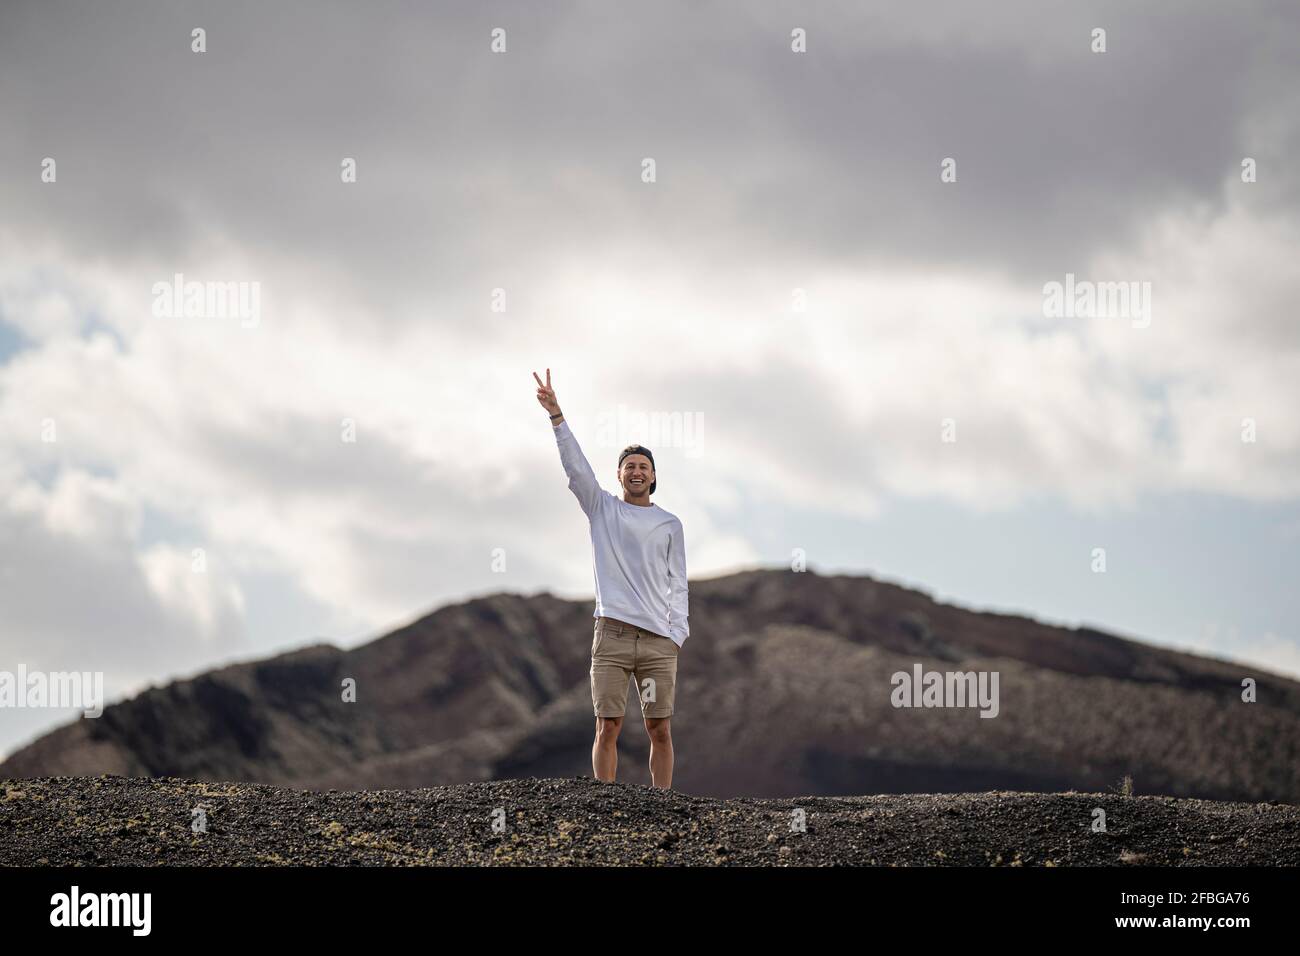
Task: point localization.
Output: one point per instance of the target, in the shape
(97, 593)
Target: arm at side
(678, 591)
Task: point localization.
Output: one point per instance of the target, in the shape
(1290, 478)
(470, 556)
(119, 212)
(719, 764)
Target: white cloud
(236, 432)
(82, 591)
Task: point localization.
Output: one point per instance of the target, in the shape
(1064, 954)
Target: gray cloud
(475, 167)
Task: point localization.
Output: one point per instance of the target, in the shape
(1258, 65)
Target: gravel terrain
(135, 821)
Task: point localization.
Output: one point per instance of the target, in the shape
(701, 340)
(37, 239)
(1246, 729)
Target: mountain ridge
(496, 686)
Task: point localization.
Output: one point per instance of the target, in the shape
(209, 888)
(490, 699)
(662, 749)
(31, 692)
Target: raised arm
(582, 480)
(678, 603)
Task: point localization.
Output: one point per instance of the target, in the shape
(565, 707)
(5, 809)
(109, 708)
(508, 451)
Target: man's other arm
(678, 596)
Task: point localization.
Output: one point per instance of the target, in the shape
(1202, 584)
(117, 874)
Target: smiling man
(641, 596)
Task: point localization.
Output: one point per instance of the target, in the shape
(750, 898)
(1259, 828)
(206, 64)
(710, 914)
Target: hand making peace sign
(546, 395)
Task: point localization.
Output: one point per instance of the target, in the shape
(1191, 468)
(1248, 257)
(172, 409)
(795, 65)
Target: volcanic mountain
(786, 688)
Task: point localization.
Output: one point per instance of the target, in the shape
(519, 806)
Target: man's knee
(607, 728)
(659, 729)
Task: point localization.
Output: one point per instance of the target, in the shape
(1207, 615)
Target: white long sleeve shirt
(639, 553)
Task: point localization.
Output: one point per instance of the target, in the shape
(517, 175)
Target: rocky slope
(784, 690)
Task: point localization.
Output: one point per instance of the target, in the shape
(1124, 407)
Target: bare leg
(604, 752)
(661, 751)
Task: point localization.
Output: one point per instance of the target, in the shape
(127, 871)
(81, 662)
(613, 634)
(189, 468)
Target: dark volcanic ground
(110, 820)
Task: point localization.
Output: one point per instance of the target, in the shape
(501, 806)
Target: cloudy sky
(790, 279)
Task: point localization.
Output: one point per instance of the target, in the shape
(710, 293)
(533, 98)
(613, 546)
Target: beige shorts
(620, 650)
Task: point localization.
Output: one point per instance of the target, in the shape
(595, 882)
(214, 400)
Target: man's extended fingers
(539, 381)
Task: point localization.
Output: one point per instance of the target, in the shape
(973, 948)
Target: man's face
(636, 475)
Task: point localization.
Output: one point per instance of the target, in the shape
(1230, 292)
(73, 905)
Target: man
(641, 597)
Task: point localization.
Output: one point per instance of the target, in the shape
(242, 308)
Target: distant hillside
(96, 821)
(784, 690)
